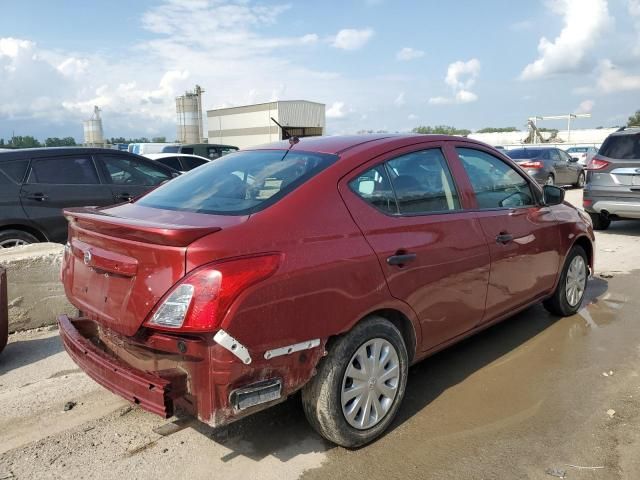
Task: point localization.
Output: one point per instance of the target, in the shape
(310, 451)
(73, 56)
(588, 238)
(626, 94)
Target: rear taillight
(587, 202)
(597, 164)
(201, 299)
(534, 164)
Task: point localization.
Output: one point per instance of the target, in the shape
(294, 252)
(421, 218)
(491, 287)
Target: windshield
(525, 153)
(238, 183)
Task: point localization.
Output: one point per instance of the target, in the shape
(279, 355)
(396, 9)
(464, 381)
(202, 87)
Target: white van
(145, 148)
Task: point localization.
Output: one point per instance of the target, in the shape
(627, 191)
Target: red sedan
(327, 266)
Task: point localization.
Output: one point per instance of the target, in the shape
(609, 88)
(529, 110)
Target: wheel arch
(586, 244)
(25, 228)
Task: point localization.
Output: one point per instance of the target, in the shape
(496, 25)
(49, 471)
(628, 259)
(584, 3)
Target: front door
(54, 183)
(432, 252)
(521, 233)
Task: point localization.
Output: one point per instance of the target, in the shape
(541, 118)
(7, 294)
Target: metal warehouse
(250, 125)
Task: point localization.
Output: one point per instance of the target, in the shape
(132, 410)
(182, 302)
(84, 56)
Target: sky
(376, 64)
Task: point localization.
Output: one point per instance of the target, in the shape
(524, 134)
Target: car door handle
(124, 196)
(41, 197)
(504, 238)
(401, 259)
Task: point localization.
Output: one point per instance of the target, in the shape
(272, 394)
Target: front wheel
(550, 180)
(16, 238)
(568, 295)
(580, 182)
(359, 386)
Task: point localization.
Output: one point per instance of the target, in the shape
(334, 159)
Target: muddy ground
(533, 397)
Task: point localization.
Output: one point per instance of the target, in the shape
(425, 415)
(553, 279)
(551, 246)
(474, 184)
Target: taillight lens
(597, 164)
(534, 164)
(201, 299)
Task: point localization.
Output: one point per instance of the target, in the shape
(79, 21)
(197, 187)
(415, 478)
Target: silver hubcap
(12, 242)
(550, 180)
(370, 383)
(581, 180)
(576, 281)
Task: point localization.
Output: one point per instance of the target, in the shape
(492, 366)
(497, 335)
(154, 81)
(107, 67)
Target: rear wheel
(359, 386)
(600, 222)
(567, 297)
(15, 238)
(580, 182)
(550, 180)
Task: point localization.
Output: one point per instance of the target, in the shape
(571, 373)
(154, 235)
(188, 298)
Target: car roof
(626, 131)
(341, 143)
(156, 156)
(47, 151)
(537, 147)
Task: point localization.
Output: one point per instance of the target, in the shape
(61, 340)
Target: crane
(532, 122)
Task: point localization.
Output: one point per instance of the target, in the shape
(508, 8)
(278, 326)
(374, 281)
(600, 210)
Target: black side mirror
(552, 195)
(573, 159)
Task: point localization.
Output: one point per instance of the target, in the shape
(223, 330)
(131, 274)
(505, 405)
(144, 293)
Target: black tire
(550, 180)
(558, 304)
(599, 221)
(11, 238)
(321, 397)
(580, 182)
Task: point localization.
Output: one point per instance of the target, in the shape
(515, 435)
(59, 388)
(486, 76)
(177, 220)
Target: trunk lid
(118, 263)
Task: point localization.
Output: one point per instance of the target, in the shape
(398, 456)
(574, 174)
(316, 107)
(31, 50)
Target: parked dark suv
(612, 191)
(36, 184)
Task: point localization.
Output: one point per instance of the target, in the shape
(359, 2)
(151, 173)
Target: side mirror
(552, 195)
(573, 159)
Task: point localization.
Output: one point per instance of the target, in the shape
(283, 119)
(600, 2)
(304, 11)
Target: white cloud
(11, 47)
(611, 79)
(352, 39)
(407, 53)
(584, 23)
(586, 106)
(336, 110)
(73, 66)
(634, 12)
(400, 100)
(461, 76)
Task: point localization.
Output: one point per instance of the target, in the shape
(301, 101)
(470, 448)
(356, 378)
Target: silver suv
(612, 190)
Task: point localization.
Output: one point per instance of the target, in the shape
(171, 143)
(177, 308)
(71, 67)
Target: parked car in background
(548, 165)
(146, 148)
(178, 161)
(582, 154)
(359, 256)
(612, 190)
(36, 184)
(207, 150)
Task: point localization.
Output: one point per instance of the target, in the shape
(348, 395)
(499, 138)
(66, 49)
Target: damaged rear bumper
(153, 392)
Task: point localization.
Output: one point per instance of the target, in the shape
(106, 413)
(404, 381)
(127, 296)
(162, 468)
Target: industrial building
(251, 125)
(93, 134)
(189, 116)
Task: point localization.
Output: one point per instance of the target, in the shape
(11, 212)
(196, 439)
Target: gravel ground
(529, 398)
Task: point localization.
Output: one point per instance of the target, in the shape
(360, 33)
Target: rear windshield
(622, 147)
(238, 183)
(577, 149)
(525, 153)
(171, 149)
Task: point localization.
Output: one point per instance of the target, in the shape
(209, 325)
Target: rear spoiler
(90, 218)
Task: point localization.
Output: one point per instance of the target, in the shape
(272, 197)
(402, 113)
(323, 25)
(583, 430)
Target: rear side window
(496, 184)
(69, 170)
(15, 169)
(187, 150)
(621, 147)
(238, 184)
(131, 171)
(172, 162)
(189, 163)
(374, 187)
(422, 183)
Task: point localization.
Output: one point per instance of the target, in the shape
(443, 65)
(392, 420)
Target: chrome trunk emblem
(87, 257)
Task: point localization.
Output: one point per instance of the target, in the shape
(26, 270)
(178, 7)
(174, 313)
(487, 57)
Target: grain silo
(189, 112)
(93, 134)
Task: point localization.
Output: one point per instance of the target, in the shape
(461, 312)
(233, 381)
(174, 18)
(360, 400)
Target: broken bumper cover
(152, 392)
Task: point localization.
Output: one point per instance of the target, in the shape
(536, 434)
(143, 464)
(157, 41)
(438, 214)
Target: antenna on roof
(292, 138)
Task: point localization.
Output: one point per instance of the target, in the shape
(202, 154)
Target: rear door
(54, 183)
(522, 235)
(561, 167)
(130, 176)
(573, 167)
(432, 252)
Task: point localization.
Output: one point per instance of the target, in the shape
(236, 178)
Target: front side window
(131, 171)
(71, 170)
(422, 183)
(172, 162)
(374, 187)
(240, 183)
(189, 163)
(495, 183)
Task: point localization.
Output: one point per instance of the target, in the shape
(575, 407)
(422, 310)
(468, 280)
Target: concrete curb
(35, 294)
